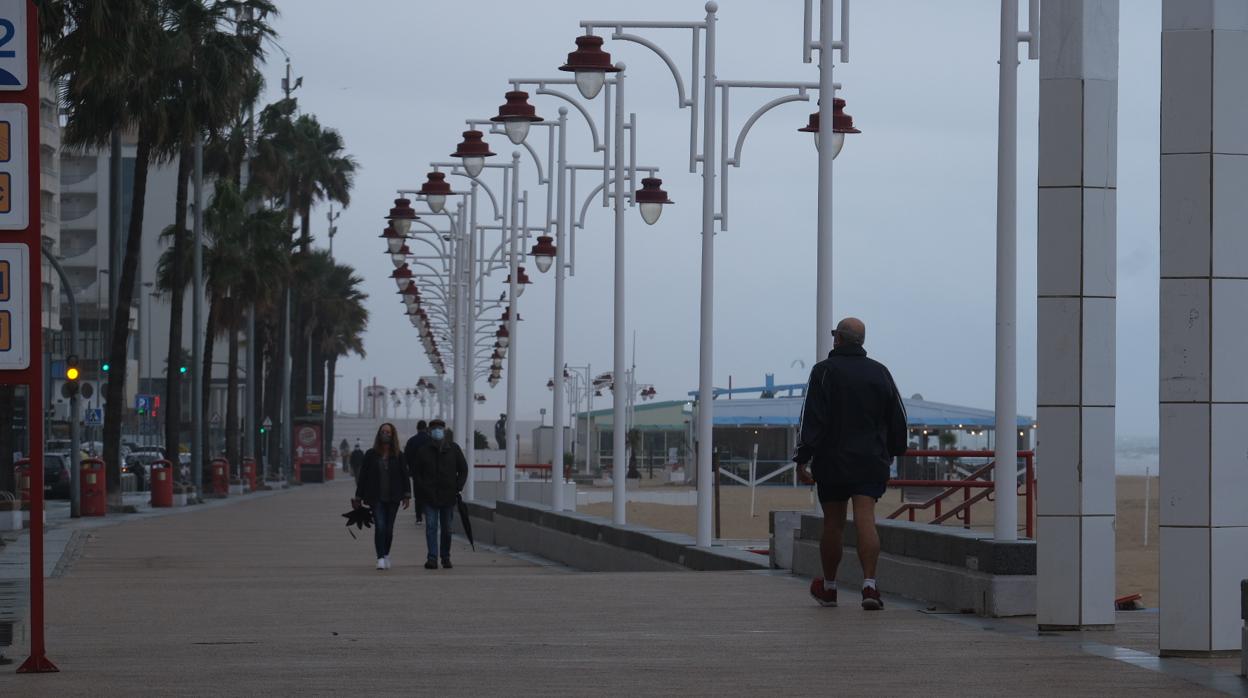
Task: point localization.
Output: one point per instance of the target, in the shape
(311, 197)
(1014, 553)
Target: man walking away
(420, 438)
(357, 460)
(344, 451)
(853, 425)
(440, 474)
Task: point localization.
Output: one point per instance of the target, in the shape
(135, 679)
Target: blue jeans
(384, 514)
(438, 518)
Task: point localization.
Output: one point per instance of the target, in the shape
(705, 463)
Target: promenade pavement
(270, 596)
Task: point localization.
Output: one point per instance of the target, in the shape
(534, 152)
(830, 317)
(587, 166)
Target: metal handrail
(962, 511)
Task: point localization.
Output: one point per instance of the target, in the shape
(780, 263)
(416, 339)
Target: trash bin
(162, 483)
(93, 495)
(249, 473)
(220, 477)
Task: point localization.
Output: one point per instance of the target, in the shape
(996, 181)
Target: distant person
(420, 438)
(357, 460)
(500, 431)
(853, 425)
(344, 452)
(383, 484)
(440, 474)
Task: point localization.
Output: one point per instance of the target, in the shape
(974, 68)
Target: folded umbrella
(359, 517)
(464, 520)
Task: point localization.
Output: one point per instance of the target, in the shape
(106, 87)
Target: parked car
(56, 475)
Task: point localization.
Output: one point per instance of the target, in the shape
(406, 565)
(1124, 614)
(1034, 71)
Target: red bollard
(220, 476)
(21, 470)
(249, 473)
(329, 470)
(162, 483)
(92, 492)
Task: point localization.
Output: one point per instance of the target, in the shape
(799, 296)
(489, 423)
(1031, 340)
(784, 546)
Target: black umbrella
(359, 517)
(464, 520)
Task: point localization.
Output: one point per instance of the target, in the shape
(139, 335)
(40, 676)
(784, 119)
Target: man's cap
(436, 423)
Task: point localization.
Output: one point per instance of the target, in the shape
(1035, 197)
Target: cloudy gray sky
(915, 198)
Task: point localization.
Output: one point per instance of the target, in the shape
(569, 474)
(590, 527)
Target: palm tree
(218, 44)
(342, 320)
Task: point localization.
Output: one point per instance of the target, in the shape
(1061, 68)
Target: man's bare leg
(832, 542)
(868, 536)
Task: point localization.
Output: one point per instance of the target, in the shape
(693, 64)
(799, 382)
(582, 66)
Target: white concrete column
(1076, 285)
(1204, 328)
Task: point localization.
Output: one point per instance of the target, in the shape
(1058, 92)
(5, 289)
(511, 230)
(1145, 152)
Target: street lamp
(402, 277)
(544, 251)
(400, 258)
(842, 124)
(516, 115)
(402, 216)
(590, 64)
(504, 337)
(394, 241)
(522, 280)
(435, 190)
(650, 199)
(473, 150)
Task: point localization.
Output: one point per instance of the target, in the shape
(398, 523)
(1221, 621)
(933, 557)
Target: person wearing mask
(357, 460)
(383, 484)
(440, 474)
(344, 452)
(420, 438)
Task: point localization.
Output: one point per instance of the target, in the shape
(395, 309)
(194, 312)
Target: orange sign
(6, 200)
(6, 339)
(5, 139)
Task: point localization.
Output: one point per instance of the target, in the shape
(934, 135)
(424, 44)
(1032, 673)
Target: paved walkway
(271, 596)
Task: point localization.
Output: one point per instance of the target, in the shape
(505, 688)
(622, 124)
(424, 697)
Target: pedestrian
(357, 460)
(383, 484)
(420, 438)
(853, 425)
(344, 451)
(440, 474)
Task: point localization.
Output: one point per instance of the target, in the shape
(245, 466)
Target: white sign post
(13, 69)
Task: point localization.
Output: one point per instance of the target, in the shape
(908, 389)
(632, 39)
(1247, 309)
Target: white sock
(829, 585)
(868, 584)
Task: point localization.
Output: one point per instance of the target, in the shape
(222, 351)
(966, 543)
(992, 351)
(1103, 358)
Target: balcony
(79, 209)
(78, 174)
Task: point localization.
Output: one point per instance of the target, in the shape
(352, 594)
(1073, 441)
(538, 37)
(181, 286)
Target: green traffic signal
(181, 369)
(104, 368)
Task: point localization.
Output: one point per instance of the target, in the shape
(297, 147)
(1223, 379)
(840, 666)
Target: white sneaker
(381, 563)
(387, 559)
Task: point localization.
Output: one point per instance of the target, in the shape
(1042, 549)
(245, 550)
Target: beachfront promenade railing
(980, 480)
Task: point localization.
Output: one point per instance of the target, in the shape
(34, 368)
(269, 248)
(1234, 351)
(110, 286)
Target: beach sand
(1137, 568)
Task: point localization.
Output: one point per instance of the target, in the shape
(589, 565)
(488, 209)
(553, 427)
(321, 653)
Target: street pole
(197, 329)
(556, 458)
(470, 328)
(1005, 483)
(706, 340)
(509, 486)
(619, 406)
(253, 376)
(460, 334)
(74, 406)
(824, 321)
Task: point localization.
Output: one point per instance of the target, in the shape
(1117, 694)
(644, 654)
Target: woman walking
(383, 483)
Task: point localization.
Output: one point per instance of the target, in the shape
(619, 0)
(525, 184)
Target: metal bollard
(1243, 614)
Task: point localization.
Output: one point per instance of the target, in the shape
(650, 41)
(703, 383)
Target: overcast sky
(915, 192)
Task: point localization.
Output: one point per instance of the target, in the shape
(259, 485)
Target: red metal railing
(979, 479)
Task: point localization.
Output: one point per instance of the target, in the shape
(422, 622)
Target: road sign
(94, 417)
(14, 184)
(142, 403)
(14, 70)
(216, 419)
(267, 423)
(14, 307)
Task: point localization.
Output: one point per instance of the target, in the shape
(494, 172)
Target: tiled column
(1204, 323)
(1076, 285)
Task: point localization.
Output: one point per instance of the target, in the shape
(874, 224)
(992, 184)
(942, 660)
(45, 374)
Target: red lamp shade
(651, 199)
(435, 190)
(544, 253)
(842, 124)
(590, 64)
(402, 277)
(473, 150)
(503, 337)
(516, 115)
(402, 215)
(522, 280)
(394, 241)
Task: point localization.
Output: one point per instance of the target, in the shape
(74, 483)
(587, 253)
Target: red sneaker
(871, 600)
(825, 597)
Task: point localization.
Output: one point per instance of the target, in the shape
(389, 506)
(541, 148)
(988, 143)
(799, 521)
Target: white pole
(470, 488)
(1148, 498)
(706, 332)
(827, 152)
(197, 318)
(556, 418)
(509, 486)
(619, 404)
(459, 335)
(1006, 453)
(753, 478)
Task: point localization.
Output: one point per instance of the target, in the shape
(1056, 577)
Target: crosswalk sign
(94, 417)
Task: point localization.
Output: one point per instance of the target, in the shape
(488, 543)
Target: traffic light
(181, 369)
(263, 431)
(104, 367)
(71, 375)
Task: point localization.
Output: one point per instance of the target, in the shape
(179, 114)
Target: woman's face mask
(437, 433)
(385, 437)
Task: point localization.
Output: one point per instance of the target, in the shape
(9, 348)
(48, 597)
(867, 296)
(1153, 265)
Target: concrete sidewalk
(272, 596)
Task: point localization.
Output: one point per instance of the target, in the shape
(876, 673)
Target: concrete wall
(949, 567)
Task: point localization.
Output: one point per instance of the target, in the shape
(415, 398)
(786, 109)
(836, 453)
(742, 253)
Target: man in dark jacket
(853, 425)
(440, 474)
(420, 438)
(357, 460)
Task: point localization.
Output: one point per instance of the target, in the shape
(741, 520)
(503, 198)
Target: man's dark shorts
(841, 492)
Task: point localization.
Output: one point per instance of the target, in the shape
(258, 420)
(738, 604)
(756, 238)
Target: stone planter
(236, 489)
(179, 499)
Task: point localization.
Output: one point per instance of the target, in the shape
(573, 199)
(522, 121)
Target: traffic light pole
(74, 499)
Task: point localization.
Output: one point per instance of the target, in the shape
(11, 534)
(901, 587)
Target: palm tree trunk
(232, 446)
(210, 331)
(118, 353)
(272, 393)
(173, 377)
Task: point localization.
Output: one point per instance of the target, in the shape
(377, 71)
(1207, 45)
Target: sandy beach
(1137, 564)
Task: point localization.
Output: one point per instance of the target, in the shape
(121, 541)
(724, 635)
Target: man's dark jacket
(368, 482)
(853, 421)
(418, 439)
(440, 473)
